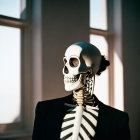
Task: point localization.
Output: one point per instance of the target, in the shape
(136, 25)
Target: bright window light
(12, 8)
(9, 75)
(98, 14)
(118, 83)
(101, 89)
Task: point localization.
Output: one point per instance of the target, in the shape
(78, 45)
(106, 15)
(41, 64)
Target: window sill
(20, 135)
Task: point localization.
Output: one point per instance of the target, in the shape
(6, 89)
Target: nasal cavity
(66, 71)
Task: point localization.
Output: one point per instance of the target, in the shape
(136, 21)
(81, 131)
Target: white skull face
(79, 59)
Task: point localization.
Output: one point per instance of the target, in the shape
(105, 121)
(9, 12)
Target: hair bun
(104, 63)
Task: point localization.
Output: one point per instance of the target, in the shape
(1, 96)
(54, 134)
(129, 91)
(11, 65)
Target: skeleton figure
(81, 63)
(80, 116)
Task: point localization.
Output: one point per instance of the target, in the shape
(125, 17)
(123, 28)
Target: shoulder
(51, 104)
(118, 119)
(51, 101)
(114, 113)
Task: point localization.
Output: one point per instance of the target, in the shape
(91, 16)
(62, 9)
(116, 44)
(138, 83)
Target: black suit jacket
(112, 124)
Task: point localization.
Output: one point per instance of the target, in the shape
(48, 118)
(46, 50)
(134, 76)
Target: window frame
(24, 127)
(108, 35)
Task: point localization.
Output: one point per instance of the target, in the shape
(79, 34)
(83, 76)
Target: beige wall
(63, 22)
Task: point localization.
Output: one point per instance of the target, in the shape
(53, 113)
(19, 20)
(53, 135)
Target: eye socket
(74, 62)
(64, 60)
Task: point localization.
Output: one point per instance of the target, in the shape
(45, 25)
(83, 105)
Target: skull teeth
(72, 79)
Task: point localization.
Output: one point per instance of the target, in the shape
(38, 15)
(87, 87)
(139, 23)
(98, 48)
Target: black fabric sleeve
(36, 128)
(124, 133)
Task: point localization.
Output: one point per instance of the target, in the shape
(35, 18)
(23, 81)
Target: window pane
(9, 74)
(118, 83)
(98, 14)
(12, 8)
(101, 82)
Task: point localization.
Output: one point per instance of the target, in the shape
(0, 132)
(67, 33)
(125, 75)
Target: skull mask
(80, 58)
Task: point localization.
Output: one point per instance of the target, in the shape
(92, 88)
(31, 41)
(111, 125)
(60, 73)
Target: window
(13, 51)
(12, 8)
(101, 82)
(109, 85)
(10, 74)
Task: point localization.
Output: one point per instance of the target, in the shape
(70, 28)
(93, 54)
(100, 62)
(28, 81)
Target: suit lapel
(103, 124)
(54, 113)
(60, 112)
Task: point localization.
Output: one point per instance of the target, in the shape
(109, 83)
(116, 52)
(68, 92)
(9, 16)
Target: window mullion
(100, 32)
(12, 22)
